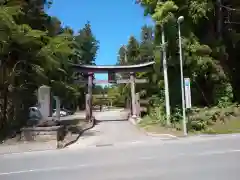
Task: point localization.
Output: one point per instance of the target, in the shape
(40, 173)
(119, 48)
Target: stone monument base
(41, 134)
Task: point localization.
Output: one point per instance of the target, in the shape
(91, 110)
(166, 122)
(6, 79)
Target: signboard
(141, 80)
(119, 81)
(123, 81)
(127, 81)
(187, 89)
(94, 81)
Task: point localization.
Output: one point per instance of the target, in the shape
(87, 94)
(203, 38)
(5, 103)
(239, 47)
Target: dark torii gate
(131, 69)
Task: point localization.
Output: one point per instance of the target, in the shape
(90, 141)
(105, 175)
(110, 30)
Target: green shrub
(201, 119)
(198, 119)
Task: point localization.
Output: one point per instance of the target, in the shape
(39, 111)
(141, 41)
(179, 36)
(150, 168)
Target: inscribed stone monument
(44, 101)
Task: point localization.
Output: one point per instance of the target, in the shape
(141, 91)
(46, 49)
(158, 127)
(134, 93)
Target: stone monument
(44, 101)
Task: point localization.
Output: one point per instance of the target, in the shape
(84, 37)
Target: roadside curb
(134, 123)
(8, 149)
(158, 135)
(218, 135)
(28, 151)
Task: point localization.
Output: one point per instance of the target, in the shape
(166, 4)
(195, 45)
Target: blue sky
(112, 21)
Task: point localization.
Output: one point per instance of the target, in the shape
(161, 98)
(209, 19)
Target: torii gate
(131, 69)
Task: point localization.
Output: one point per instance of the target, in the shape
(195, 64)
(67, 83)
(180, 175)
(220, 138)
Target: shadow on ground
(79, 131)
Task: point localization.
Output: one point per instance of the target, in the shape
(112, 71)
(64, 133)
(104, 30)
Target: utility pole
(167, 103)
(219, 19)
(179, 21)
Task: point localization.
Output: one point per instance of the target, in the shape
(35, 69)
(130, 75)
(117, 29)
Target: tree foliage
(208, 57)
(210, 40)
(34, 50)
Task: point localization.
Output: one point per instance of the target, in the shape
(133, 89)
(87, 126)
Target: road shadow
(79, 130)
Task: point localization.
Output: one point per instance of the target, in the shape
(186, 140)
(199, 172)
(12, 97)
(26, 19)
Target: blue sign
(187, 82)
(187, 93)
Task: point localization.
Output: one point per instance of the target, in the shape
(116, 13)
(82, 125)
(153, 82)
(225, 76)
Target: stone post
(78, 109)
(57, 107)
(138, 112)
(132, 79)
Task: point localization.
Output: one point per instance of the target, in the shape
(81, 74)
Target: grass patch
(201, 121)
(154, 126)
(219, 127)
(229, 126)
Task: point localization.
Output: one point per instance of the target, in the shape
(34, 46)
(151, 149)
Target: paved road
(203, 158)
(113, 127)
(128, 154)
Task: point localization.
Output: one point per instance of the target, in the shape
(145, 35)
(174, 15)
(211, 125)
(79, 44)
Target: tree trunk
(5, 99)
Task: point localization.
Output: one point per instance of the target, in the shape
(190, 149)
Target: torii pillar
(138, 113)
(89, 97)
(133, 94)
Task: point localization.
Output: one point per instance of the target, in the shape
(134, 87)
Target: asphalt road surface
(197, 158)
(112, 127)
